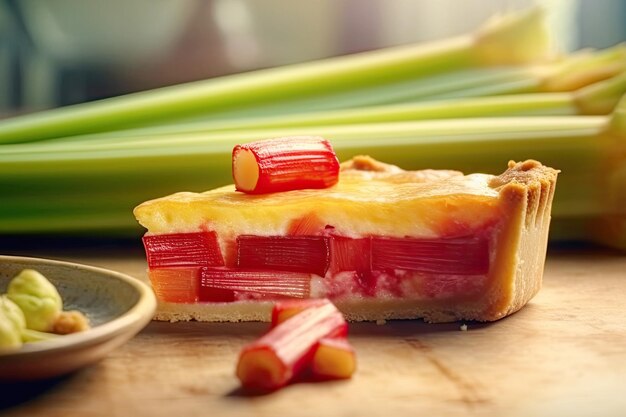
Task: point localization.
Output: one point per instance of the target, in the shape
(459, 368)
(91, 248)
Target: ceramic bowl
(118, 307)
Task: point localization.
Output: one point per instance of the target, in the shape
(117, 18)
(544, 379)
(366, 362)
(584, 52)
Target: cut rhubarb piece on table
(441, 246)
(283, 164)
(281, 354)
(284, 253)
(334, 358)
(182, 250)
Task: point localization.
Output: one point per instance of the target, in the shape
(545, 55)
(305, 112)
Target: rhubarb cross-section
(182, 250)
(284, 253)
(284, 164)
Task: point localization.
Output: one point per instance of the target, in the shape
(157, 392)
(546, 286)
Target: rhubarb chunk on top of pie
(382, 243)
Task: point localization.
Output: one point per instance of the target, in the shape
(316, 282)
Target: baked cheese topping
(358, 205)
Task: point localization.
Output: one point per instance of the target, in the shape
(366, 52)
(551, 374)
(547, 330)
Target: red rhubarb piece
(284, 253)
(348, 254)
(176, 285)
(282, 283)
(273, 360)
(462, 256)
(182, 250)
(284, 164)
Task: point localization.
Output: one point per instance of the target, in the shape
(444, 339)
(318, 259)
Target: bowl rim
(139, 314)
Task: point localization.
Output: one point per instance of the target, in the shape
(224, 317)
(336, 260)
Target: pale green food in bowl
(117, 306)
(38, 299)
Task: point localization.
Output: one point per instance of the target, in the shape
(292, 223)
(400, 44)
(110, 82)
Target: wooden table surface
(564, 354)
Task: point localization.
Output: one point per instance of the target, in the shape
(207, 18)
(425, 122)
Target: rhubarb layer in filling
(380, 235)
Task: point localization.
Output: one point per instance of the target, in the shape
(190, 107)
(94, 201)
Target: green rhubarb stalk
(596, 99)
(569, 74)
(169, 145)
(475, 82)
(586, 67)
(601, 97)
(522, 104)
(578, 145)
(509, 40)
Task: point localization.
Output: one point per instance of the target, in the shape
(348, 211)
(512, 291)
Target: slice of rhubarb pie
(381, 243)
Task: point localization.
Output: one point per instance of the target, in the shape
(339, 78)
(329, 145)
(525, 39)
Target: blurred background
(60, 52)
